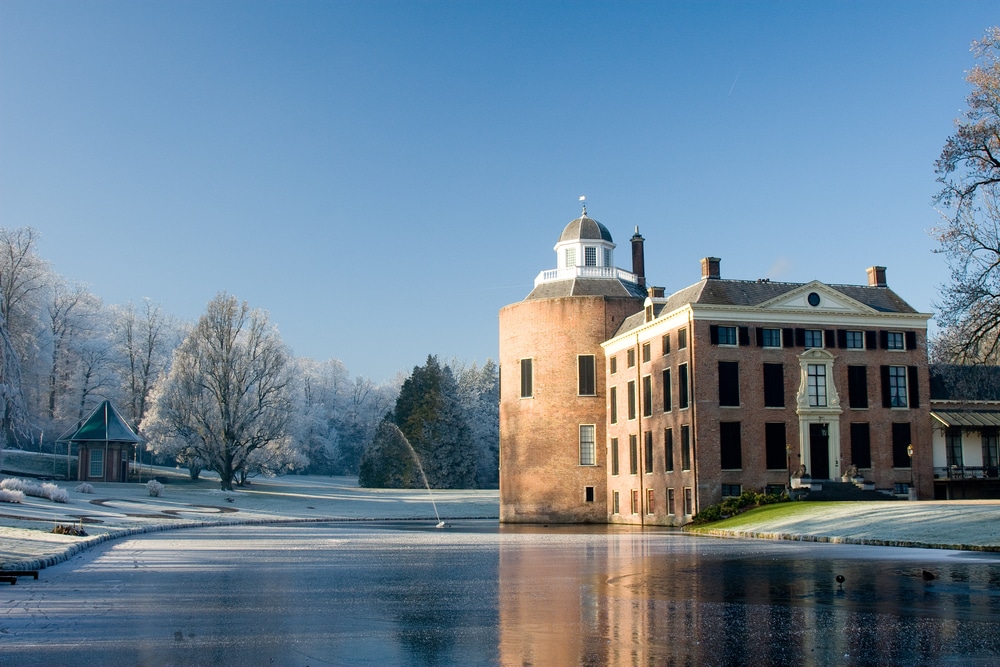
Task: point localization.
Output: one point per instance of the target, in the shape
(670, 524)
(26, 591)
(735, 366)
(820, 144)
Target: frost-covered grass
(45, 490)
(34, 464)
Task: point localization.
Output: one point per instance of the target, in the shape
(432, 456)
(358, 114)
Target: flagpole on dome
(583, 200)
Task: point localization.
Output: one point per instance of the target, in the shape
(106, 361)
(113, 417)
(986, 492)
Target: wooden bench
(7, 575)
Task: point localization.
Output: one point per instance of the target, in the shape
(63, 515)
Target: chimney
(876, 276)
(710, 267)
(638, 258)
(655, 292)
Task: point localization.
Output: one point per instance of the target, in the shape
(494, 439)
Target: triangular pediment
(819, 297)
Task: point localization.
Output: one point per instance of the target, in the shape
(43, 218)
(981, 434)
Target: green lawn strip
(752, 519)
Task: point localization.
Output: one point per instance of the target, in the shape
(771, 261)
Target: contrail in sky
(734, 82)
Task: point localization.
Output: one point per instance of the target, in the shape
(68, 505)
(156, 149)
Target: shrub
(46, 490)
(154, 488)
(10, 496)
(54, 493)
(84, 488)
(64, 529)
(732, 506)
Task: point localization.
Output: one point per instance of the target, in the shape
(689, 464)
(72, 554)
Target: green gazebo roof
(105, 424)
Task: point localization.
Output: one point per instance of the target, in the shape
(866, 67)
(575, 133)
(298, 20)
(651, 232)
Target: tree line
(224, 393)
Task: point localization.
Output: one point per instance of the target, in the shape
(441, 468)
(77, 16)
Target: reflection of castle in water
(567, 598)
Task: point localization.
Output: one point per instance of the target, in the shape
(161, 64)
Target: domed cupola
(585, 242)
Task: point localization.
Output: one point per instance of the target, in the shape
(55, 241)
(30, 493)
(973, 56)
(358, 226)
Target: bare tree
(228, 392)
(969, 171)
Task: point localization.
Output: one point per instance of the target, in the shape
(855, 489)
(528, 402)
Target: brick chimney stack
(710, 268)
(876, 276)
(638, 257)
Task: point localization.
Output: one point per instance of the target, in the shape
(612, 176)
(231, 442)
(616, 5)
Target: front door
(819, 451)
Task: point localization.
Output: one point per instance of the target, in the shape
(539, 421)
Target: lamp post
(788, 464)
(909, 453)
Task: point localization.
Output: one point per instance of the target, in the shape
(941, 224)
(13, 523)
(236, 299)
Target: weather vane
(583, 200)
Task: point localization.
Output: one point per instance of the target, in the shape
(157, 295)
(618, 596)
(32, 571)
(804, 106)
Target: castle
(622, 404)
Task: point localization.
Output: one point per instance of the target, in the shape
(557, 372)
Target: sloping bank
(958, 525)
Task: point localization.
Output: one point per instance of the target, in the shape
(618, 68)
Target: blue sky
(383, 177)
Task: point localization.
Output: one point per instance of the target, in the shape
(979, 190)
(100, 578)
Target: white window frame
(588, 445)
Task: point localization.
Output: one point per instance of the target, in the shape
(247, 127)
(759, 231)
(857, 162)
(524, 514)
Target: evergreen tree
(387, 462)
(429, 416)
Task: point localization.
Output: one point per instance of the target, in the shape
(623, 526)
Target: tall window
(590, 256)
(990, 442)
(729, 383)
(730, 446)
(648, 452)
(650, 502)
(775, 453)
(688, 500)
(96, 463)
(570, 256)
(667, 397)
(526, 388)
(613, 397)
(670, 502)
(682, 338)
(668, 449)
(953, 446)
(647, 353)
(857, 387)
(633, 454)
(614, 456)
(666, 343)
(587, 375)
(817, 385)
(631, 399)
(861, 445)
(607, 257)
(896, 383)
(635, 501)
(682, 386)
(588, 445)
(774, 385)
(647, 395)
(615, 502)
(685, 447)
(630, 357)
(613, 365)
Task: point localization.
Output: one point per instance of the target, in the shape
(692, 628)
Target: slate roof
(951, 382)
(586, 287)
(749, 293)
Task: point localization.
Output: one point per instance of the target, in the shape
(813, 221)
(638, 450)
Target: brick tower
(552, 399)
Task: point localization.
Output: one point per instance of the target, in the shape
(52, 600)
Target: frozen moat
(407, 593)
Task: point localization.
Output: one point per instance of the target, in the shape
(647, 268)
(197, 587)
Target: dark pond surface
(478, 594)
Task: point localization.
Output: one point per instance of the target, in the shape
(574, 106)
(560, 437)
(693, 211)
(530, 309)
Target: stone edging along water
(834, 539)
(119, 533)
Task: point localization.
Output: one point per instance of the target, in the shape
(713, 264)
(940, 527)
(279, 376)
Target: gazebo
(106, 442)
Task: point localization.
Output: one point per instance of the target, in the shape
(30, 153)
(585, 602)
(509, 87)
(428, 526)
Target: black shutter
(870, 340)
(800, 337)
(759, 335)
(830, 338)
(913, 387)
(713, 333)
(911, 340)
(788, 338)
(886, 396)
(744, 333)
(841, 338)
(883, 339)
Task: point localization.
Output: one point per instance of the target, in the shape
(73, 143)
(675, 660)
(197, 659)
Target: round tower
(552, 391)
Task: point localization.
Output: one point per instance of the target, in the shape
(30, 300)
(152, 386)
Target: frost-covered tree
(479, 396)
(969, 172)
(228, 393)
(429, 415)
(144, 338)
